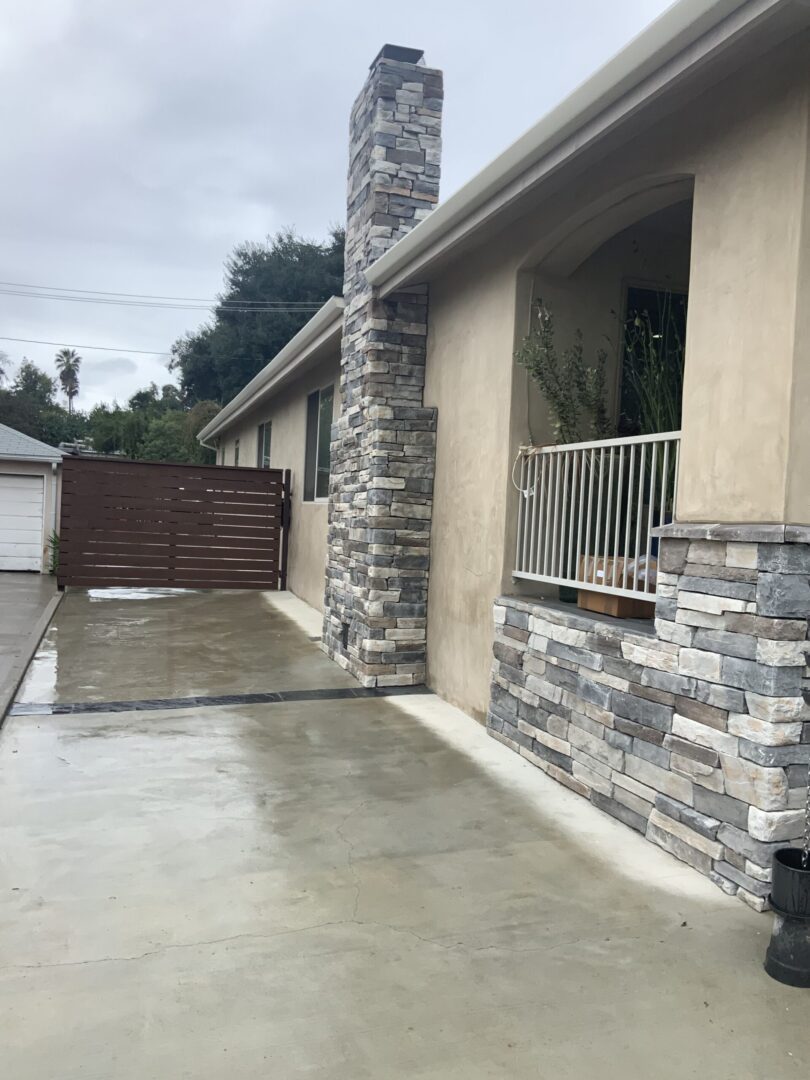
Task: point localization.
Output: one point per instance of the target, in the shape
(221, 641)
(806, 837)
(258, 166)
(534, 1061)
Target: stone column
(383, 445)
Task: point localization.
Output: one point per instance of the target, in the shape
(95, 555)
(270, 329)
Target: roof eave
(39, 460)
(326, 322)
(677, 43)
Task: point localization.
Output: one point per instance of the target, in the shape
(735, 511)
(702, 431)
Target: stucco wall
(744, 143)
(288, 415)
(749, 230)
(471, 337)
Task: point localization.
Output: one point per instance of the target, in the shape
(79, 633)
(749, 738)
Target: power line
(100, 348)
(234, 307)
(14, 288)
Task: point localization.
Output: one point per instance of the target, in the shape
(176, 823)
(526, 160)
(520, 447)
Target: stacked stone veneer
(383, 445)
(696, 734)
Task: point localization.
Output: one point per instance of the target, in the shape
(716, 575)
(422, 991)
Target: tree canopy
(213, 363)
(216, 361)
(154, 425)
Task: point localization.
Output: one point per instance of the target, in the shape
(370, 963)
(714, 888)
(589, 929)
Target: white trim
(40, 460)
(587, 586)
(325, 324)
(682, 39)
(625, 440)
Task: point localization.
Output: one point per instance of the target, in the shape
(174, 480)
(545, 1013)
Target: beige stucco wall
(471, 336)
(745, 144)
(288, 415)
(798, 481)
(52, 483)
(745, 451)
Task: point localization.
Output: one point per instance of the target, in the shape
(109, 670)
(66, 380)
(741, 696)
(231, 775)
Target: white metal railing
(587, 510)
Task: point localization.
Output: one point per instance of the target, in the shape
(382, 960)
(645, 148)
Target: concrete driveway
(328, 886)
(27, 602)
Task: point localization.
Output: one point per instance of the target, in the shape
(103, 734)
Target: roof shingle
(13, 444)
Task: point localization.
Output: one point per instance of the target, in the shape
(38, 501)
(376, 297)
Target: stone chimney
(383, 445)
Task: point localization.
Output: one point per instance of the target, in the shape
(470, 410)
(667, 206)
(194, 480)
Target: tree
(32, 383)
(3, 366)
(29, 405)
(165, 438)
(68, 363)
(216, 361)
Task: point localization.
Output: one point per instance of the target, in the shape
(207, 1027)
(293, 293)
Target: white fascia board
(40, 460)
(618, 89)
(326, 323)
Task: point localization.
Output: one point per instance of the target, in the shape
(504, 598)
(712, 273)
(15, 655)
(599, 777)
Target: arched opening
(619, 276)
(606, 298)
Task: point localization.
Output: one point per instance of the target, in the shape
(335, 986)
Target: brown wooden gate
(135, 523)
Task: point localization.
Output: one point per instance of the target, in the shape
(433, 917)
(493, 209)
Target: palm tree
(68, 363)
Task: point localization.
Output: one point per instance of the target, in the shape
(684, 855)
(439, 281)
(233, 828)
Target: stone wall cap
(400, 53)
(577, 618)
(752, 532)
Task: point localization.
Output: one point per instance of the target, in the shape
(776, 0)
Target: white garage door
(21, 508)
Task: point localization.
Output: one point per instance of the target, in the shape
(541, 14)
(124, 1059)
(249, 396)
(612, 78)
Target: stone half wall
(695, 733)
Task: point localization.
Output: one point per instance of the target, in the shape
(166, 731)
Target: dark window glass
(263, 446)
(236, 451)
(652, 361)
(319, 433)
(324, 441)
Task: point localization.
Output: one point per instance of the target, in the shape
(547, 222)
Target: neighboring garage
(29, 477)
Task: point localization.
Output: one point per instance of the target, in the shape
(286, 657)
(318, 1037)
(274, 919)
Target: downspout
(208, 446)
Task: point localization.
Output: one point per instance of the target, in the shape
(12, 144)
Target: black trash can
(788, 957)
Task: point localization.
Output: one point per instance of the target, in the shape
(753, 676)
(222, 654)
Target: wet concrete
(118, 644)
(351, 889)
(24, 601)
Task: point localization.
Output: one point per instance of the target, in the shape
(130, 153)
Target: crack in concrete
(168, 948)
(458, 945)
(350, 855)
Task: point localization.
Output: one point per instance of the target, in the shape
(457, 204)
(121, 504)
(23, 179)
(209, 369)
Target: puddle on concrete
(40, 680)
(97, 595)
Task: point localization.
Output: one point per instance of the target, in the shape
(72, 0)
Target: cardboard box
(620, 607)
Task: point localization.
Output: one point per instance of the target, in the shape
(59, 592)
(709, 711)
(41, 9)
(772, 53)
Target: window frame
(313, 456)
(264, 443)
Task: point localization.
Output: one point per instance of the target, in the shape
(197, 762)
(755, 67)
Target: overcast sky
(142, 141)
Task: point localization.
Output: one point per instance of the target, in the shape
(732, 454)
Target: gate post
(286, 517)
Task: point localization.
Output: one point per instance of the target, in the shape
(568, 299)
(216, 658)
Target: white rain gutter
(324, 324)
(561, 132)
(29, 457)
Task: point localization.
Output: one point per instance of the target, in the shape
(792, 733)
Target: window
(236, 451)
(263, 446)
(652, 360)
(319, 433)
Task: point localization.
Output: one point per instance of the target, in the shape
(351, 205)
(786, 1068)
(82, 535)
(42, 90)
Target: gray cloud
(143, 140)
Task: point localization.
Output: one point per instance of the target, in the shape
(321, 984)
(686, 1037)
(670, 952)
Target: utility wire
(235, 308)
(13, 288)
(100, 348)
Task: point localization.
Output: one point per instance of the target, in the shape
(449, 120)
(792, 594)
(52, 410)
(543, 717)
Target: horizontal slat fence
(131, 523)
(587, 511)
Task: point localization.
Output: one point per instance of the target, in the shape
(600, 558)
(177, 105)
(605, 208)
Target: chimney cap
(400, 53)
